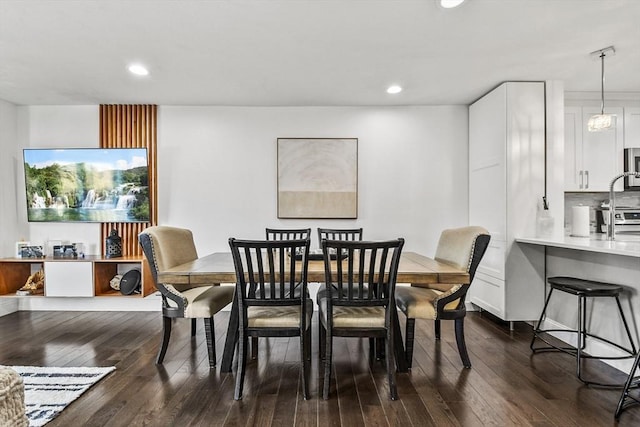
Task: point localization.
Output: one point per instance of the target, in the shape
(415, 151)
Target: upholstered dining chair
(463, 248)
(166, 247)
(271, 291)
(359, 298)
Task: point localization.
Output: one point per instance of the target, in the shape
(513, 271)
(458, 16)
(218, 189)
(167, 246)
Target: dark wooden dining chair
(166, 247)
(288, 233)
(359, 299)
(462, 248)
(271, 291)
(280, 234)
(339, 234)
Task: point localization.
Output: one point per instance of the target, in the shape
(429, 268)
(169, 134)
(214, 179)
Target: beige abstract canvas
(317, 177)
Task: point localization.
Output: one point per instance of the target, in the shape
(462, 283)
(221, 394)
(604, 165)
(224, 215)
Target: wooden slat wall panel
(131, 126)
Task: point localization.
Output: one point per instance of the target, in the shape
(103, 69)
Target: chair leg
(436, 325)
(308, 342)
(327, 365)
(379, 348)
(209, 330)
(626, 326)
(243, 343)
(629, 384)
(304, 362)
(582, 337)
(391, 365)
(322, 339)
(193, 327)
(166, 334)
(536, 328)
(372, 349)
(254, 348)
(462, 347)
(409, 334)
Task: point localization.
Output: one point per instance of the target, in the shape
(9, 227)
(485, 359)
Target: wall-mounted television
(87, 185)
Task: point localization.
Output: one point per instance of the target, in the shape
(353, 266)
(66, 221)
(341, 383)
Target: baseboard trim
(8, 306)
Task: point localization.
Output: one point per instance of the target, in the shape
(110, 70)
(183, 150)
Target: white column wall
(10, 165)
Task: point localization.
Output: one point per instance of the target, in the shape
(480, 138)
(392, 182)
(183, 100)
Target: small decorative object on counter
(115, 282)
(130, 282)
(65, 251)
(580, 221)
(113, 245)
(34, 285)
(19, 245)
(32, 252)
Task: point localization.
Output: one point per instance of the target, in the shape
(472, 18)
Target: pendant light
(602, 121)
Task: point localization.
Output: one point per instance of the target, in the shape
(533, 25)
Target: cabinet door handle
(581, 180)
(586, 174)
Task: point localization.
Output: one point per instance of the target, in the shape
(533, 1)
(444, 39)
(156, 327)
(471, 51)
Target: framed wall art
(317, 178)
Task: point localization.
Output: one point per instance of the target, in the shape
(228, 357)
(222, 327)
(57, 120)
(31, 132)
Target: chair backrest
(463, 247)
(268, 273)
(354, 234)
(288, 233)
(367, 276)
(166, 247)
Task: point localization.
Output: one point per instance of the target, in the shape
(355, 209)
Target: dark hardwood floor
(505, 386)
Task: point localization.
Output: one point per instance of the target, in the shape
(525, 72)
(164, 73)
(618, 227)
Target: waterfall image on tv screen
(87, 184)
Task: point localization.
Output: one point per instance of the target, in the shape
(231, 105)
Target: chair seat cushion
(420, 303)
(277, 316)
(351, 317)
(205, 301)
(577, 286)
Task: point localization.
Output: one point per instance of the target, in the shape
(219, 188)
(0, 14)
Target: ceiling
(307, 52)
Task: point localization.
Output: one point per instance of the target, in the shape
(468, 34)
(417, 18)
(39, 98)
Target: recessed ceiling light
(394, 89)
(138, 70)
(448, 4)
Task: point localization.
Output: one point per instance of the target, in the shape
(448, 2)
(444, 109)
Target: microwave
(632, 164)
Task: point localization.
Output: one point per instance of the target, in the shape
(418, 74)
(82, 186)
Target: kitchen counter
(594, 258)
(625, 245)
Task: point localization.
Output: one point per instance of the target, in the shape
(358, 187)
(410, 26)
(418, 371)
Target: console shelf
(89, 276)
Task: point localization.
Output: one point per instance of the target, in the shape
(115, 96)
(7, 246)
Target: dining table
(217, 268)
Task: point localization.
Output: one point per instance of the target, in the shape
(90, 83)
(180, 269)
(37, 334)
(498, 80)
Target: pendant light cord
(602, 55)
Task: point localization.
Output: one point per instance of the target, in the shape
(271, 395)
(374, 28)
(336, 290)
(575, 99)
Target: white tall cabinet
(506, 185)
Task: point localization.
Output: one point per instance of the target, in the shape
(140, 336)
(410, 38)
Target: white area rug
(47, 391)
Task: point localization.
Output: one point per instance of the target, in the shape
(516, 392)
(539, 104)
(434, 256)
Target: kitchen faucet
(611, 227)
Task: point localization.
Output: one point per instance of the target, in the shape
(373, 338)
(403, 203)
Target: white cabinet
(632, 127)
(592, 159)
(81, 277)
(68, 279)
(506, 185)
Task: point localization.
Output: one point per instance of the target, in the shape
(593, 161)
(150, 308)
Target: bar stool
(583, 289)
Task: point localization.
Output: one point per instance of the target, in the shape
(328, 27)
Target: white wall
(10, 166)
(58, 127)
(217, 168)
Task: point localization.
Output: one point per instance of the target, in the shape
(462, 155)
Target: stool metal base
(582, 334)
(626, 399)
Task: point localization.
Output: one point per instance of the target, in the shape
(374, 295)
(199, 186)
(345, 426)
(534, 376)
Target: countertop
(625, 245)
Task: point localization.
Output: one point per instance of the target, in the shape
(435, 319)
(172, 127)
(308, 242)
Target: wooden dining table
(217, 268)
